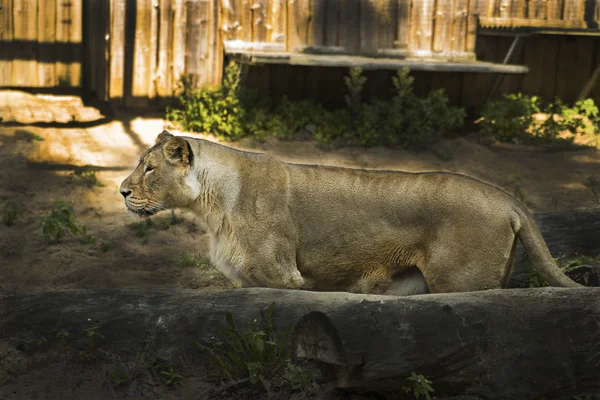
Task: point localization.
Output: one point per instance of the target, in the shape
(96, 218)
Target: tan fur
(282, 225)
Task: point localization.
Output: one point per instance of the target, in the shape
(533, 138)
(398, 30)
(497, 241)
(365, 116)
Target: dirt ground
(44, 139)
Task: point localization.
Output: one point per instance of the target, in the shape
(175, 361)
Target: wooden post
(6, 36)
(117, 51)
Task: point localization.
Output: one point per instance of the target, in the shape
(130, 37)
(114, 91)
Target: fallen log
(496, 344)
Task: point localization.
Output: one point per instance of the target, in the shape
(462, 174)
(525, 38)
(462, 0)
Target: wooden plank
(246, 33)
(69, 30)
(165, 48)
(555, 9)
(318, 21)
(574, 10)
(442, 32)
(299, 23)
(216, 61)
(403, 24)
(518, 9)
(537, 9)
(387, 23)
(350, 26)
(46, 39)
(6, 35)
(422, 26)
(276, 21)
(117, 50)
(154, 36)
(533, 23)
(142, 55)
(258, 11)
(179, 41)
(197, 57)
(102, 51)
(460, 26)
(25, 28)
(332, 23)
(368, 27)
(596, 90)
(229, 25)
(573, 66)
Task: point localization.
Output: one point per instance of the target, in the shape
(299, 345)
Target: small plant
(171, 376)
(63, 337)
(419, 386)
(593, 185)
(535, 280)
(93, 336)
(190, 260)
(10, 212)
(142, 228)
(105, 247)
(256, 355)
(61, 222)
(87, 175)
(578, 260)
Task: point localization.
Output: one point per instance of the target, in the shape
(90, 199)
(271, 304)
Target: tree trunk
(511, 343)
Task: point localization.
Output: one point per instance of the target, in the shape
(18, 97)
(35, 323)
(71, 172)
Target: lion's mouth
(144, 210)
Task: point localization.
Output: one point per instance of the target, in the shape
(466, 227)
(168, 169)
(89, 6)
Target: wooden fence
(134, 52)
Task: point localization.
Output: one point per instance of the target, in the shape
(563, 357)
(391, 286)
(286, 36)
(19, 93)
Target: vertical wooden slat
(505, 8)
(442, 33)
(46, 39)
(596, 91)
(179, 41)
(319, 18)
(165, 40)
(368, 27)
(404, 20)
(332, 22)
(574, 10)
(299, 23)
(555, 9)
(217, 44)
(24, 71)
(198, 41)
(154, 33)
(6, 35)
(68, 31)
(459, 28)
(258, 11)
(387, 23)
(422, 26)
(76, 37)
(537, 9)
(518, 9)
(117, 49)
(247, 26)
(575, 57)
(229, 21)
(142, 54)
(350, 25)
(276, 21)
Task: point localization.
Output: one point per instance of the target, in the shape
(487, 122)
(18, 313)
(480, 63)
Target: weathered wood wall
(134, 52)
(41, 43)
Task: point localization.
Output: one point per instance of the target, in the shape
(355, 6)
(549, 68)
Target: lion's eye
(148, 169)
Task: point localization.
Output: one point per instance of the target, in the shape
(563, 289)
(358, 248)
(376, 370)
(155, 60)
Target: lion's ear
(163, 137)
(178, 151)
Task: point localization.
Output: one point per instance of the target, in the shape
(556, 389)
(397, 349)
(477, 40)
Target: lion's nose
(125, 193)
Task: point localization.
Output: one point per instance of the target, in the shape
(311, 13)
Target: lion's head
(161, 179)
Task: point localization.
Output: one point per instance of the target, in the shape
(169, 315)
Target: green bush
(512, 119)
(217, 111)
(231, 112)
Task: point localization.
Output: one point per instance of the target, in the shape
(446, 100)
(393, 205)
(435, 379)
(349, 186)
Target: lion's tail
(533, 242)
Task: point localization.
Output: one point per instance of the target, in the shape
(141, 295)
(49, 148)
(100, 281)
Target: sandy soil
(37, 161)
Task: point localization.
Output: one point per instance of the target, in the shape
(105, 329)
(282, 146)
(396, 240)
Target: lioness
(282, 225)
